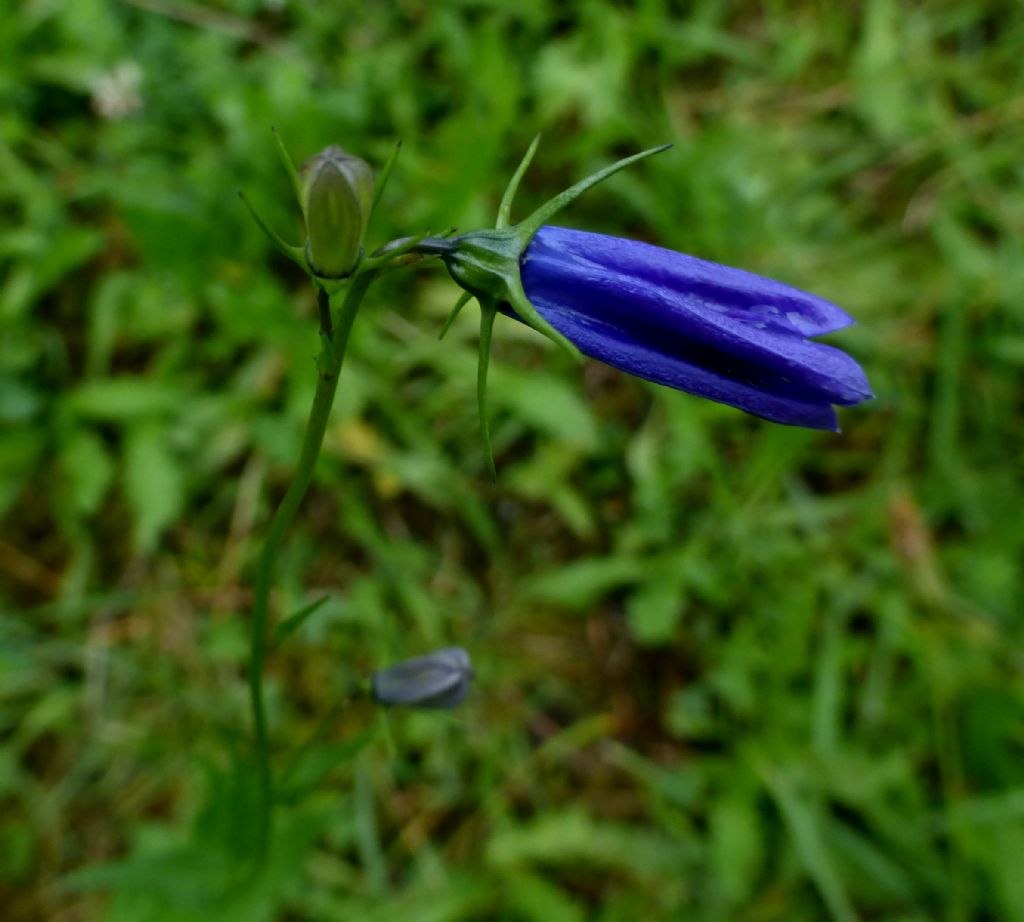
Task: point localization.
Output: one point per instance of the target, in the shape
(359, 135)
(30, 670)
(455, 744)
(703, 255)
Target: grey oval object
(439, 679)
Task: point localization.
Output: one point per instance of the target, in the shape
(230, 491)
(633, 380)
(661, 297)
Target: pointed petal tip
(826, 421)
(822, 418)
(851, 387)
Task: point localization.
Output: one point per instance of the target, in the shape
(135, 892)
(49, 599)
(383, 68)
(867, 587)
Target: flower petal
(636, 302)
(617, 348)
(750, 298)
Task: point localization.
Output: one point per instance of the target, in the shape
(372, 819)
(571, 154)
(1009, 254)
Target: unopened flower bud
(437, 680)
(336, 195)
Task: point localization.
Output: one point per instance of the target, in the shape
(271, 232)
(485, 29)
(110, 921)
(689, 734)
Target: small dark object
(436, 680)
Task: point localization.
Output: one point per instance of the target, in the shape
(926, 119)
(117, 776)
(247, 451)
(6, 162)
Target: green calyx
(486, 265)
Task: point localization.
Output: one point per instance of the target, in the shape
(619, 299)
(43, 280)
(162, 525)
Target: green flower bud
(336, 194)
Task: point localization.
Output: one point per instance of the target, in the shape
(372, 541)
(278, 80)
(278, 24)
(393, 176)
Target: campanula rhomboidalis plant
(710, 330)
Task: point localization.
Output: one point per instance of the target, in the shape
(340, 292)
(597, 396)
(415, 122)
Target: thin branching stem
(329, 365)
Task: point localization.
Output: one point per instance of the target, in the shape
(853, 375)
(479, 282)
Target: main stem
(332, 354)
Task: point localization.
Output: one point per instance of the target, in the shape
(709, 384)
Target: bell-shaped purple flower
(720, 333)
(710, 330)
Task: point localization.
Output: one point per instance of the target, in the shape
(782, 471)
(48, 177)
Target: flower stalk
(337, 197)
(334, 341)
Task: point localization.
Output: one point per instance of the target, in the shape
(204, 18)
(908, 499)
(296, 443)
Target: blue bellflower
(707, 329)
(721, 333)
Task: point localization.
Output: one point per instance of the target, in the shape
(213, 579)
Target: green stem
(329, 365)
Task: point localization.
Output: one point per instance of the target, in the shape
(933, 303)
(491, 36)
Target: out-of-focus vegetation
(726, 670)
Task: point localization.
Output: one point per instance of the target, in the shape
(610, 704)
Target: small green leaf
(292, 623)
(122, 399)
(736, 846)
(87, 470)
(153, 485)
(655, 608)
(580, 584)
(313, 764)
(540, 900)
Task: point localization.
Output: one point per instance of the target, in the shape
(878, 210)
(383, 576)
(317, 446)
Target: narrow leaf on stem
(292, 623)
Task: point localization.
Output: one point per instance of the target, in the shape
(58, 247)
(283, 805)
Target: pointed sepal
(294, 253)
(505, 209)
(387, 255)
(464, 299)
(289, 165)
(530, 316)
(385, 175)
(549, 209)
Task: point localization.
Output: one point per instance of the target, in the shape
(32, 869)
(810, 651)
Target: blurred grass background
(726, 670)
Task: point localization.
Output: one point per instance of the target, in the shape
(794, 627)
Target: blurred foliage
(726, 670)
